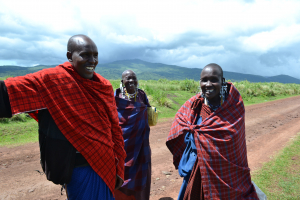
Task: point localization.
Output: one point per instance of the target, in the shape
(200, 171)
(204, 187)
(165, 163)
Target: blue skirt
(87, 184)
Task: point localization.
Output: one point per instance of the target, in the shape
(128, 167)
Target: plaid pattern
(134, 123)
(84, 111)
(221, 147)
(194, 189)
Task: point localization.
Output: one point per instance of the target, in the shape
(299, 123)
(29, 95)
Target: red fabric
(84, 111)
(120, 195)
(221, 147)
(194, 189)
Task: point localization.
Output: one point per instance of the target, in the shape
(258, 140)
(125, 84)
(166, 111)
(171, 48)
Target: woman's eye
(215, 80)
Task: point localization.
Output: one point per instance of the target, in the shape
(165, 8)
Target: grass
(166, 95)
(280, 178)
(18, 133)
(262, 99)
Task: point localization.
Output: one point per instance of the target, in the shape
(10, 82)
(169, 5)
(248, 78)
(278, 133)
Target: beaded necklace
(130, 96)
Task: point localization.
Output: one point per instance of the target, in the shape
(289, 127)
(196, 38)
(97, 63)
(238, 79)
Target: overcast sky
(254, 37)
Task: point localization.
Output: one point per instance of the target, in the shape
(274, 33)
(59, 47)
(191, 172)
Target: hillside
(151, 71)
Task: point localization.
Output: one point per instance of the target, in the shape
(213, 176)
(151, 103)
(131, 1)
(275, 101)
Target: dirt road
(269, 127)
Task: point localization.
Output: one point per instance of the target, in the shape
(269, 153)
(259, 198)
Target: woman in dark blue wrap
(132, 106)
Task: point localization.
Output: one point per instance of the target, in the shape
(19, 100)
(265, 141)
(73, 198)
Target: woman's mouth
(209, 91)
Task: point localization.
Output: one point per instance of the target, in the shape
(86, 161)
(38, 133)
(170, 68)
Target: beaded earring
(223, 91)
(200, 90)
(137, 89)
(122, 89)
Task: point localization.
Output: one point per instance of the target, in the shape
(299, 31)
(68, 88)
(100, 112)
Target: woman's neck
(215, 101)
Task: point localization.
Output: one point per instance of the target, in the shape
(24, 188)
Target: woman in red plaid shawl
(207, 140)
(132, 106)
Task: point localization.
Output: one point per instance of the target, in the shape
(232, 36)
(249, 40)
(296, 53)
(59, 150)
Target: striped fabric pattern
(221, 147)
(84, 111)
(134, 123)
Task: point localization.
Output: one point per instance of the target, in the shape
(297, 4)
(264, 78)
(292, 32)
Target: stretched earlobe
(69, 56)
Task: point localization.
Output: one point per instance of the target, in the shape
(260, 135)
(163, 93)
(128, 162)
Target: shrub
(16, 118)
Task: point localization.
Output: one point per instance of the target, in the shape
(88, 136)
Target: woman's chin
(212, 98)
(131, 90)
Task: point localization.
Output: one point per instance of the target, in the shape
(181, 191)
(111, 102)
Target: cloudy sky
(254, 37)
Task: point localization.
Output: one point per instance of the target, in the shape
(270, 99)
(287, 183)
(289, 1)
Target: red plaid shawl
(84, 111)
(221, 147)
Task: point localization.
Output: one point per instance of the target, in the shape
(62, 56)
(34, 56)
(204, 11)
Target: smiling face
(83, 55)
(130, 81)
(210, 83)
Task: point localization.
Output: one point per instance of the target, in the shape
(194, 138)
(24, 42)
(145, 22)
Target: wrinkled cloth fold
(221, 147)
(134, 123)
(84, 111)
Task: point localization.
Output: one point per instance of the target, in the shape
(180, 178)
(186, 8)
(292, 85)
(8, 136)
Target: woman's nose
(208, 83)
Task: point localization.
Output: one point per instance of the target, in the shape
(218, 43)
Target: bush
(16, 118)
(189, 85)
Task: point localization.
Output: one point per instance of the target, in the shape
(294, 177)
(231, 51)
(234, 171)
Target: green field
(17, 133)
(280, 178)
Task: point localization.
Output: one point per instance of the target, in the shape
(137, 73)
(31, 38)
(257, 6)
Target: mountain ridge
(151, 71)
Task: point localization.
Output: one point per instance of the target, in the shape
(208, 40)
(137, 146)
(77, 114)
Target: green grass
(17, 132)
(280, 178)
(263, 99)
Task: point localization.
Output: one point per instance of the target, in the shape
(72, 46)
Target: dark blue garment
(188, 160)
(87, 184)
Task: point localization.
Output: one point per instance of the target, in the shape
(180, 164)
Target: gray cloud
(28, 44)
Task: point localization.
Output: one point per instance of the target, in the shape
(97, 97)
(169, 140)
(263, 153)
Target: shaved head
(215, 66)
(127, 72)
(76, 42)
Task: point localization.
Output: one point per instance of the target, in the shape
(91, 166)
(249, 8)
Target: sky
(252, 37)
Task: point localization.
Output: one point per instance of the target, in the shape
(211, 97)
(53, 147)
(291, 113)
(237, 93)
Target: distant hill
(9, 70)
(151, 71)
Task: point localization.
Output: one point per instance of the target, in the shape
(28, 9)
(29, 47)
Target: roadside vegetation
(280, 178)
(3, 78)
(166, 95)
(169, 95)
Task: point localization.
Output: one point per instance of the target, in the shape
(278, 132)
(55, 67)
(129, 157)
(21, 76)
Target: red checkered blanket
(221, 147)
(84, 111)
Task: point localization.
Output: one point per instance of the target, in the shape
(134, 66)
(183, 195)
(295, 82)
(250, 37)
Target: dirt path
(269, 127)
